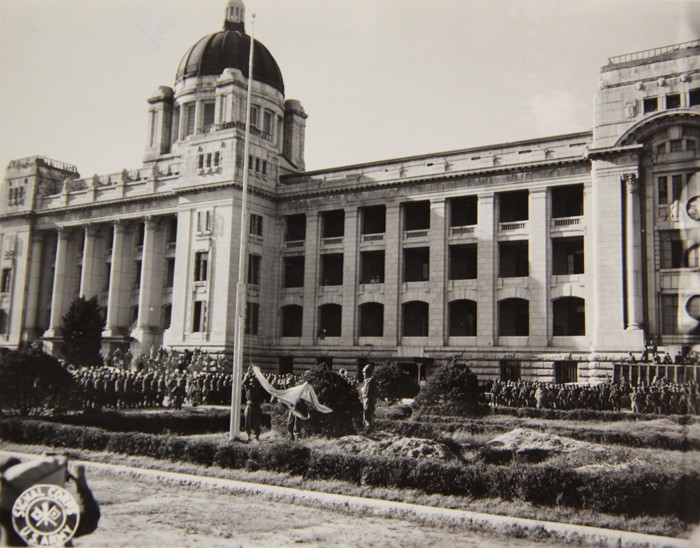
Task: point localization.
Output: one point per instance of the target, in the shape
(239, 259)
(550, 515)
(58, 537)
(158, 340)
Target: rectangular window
(175, 131)
(567, 256)
(694, 97)
(373, 219)
(256, 225)
(201, 263)
(663, 190)
(676, 145)
(332, 269)
(267, 122)
(6, 283)
(676, 187)
(208, 118)
(510, 370)
(169, 272)
(565, 371)
(416, 215)
(514, 206)
(190, 110)
(372, 267)
(252, 316)
(514, 260)
(295, 228)
(167, 316)
(255, 116)
(416, 264)
(673, 100)
(672, 247)
(204, 222)
(137, 274)
(463, 262)
(333, 224)
(199, 317)
(463, 211)
(650, 104)
(153, 127)
(567, 201)
(254, 269)
(669, 314)
(294, 271)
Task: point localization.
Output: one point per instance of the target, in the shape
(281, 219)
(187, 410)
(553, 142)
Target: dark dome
(230, 48)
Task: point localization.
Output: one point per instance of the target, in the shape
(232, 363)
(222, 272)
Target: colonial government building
(545, 259)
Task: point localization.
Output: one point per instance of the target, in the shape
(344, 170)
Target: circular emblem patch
(45, 515)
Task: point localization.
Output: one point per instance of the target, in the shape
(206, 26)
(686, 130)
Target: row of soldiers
(657, 397)
(162, 359)
(124, 389)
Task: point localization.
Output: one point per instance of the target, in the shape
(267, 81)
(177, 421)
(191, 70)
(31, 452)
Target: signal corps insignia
(45, 515)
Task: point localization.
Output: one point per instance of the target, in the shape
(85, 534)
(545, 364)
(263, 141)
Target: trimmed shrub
(452, 389)
(335, 466)
(336, 392)
(394, 383)
(35, 384)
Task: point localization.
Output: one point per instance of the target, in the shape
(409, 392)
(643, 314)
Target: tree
(82, 332)
(452, 389)
(338, 393)
(394, 383)
(35, 383)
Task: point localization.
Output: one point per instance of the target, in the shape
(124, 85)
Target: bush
(336, 392)
(393, 383)
(453, 388)
(35, 383)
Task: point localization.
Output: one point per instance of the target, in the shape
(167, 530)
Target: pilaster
(392, 274)
(350, 266)
(311, 285)
(538, 283)
(438, 260)
(486, 272)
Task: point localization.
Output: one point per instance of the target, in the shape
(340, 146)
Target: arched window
(291, 320)
(462, 318)
(330, 320)
(514, 318)
(569, 316)
(371, 320)
(415, 319)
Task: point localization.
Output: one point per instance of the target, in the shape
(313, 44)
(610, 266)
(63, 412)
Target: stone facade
(544, 259)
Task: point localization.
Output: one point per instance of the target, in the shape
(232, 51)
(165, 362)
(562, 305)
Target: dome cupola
(230, 48)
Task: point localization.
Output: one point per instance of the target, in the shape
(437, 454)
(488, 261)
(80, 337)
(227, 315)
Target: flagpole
(241, 293)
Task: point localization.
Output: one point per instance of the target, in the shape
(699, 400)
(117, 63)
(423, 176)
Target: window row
(671, 101)
(16, 196)
(568, 319)
(676, 252)
(567, 259)
(567, 201)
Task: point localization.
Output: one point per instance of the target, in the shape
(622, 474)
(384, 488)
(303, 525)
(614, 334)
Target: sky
(379, 79)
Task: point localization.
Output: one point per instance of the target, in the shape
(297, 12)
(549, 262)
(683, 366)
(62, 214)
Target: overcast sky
(378, 78)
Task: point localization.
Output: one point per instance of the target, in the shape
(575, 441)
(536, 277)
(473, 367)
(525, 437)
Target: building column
(350, 262)
(59, 284)
(486, 327)
(88, 287)
(393, 278)
(438, 259)
(633, 250)
(312, 261)
(147, 292)
(117, 284)
(538, 282)
(30, 329)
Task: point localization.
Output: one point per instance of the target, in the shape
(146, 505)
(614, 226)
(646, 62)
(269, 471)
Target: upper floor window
(255, 116)
(199, 317)
(567, 201)
(673, 100)
(694, 97)
(672, 248)
(267, 122)
(513, 206)
(208, 117)
(190, 110)
(333, 224)
(252, 318)
(373, 219)
(295, 228)
(463, 211)
(650, 104)
(6, 282)
(256, 225)
(669, 187)
(201, 264)
(416, 215)
(204, 222)
(254, 269)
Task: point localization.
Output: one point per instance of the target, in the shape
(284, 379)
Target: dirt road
(142, 512)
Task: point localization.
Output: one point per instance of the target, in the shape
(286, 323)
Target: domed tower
(209, 97)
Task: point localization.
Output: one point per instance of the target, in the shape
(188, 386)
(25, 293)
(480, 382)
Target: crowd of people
(660, 396)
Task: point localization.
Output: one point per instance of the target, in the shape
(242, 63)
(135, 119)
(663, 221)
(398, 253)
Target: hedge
(638, 491)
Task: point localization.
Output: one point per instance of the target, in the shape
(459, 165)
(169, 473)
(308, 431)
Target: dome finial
(235, 15)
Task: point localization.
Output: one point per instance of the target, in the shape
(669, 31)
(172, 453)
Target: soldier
(368, 395)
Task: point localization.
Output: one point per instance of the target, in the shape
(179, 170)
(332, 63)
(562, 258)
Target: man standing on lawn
(368, 394)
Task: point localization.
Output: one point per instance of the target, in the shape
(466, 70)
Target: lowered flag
(290, 396)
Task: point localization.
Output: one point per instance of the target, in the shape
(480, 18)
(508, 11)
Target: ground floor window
(291, 320)
(285, 365)
(565, 371)
(330, 320)
(510, 370)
